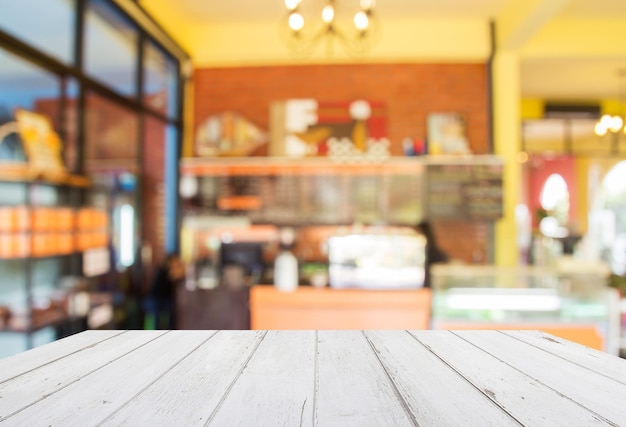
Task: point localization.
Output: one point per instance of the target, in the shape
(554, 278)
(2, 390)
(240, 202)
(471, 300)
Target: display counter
(572, 304)
(325, 308)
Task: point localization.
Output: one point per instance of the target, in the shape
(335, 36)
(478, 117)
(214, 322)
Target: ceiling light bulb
(616, 123)
(600, 129)
(296, 21)
(606, 120)
(361, 21)
(328, 13)
(367, 4)
(291, 4)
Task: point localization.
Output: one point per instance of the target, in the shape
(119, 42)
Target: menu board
(464, 191)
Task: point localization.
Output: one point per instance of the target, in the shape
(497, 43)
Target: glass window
(71, 117)
(153, 188)
(110, 48)
(160, 81)
(614, 198)
(159, 190)
(25, 86)
(48, 25)
(111, 136)
(555, 201)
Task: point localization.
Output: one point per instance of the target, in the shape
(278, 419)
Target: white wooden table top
(325, 378)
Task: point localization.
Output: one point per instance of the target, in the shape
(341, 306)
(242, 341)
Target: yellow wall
(576, 38)
(404, 40)
(531, 108)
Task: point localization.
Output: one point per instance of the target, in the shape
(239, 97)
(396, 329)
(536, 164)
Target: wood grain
(598, 394)
(589, 358)
(277, 385)
(523, 397)
(353, 389)
(11, 367)
(91, 394)
(39, 387)
(187, 394)
(313, 378)
(435, 394)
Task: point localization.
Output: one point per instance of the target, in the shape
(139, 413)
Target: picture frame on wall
(447, 134)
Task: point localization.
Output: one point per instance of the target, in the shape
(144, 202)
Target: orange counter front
(326, 308)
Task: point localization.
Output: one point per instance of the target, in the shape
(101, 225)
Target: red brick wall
(152, 196)
(409, 91)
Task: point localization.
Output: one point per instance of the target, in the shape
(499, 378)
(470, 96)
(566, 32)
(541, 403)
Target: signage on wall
(447, 134)
(342, 130)
(228, 134)
(464, 191)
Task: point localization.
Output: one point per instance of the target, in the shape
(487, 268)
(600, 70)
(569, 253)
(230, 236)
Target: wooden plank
(103, 387)
(277, 386)
(597, 393)
(37, 384)
(585, 334)
(353, 389)
(188, 393)
(435, 394)
(597, 361)
(13, 366)
(528, 401)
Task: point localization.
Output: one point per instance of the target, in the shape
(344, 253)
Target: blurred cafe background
(312, 164)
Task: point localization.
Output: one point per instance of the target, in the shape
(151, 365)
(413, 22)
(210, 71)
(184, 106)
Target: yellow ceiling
(568, 49)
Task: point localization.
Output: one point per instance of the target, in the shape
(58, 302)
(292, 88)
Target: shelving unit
(45, 227)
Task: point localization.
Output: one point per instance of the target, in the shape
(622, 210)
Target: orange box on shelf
(39, 244)
(65, 219)
(21, 245)
(7, 219)
(65, 243)
(6, 245)
(83, 241)
(45, 244)
(99, 240)
(14, 245)
(101, 219)
(84, 219)
(22, 218)
(14, 219)
(43, 219)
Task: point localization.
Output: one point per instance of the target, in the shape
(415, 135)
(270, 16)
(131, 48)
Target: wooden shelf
(23, 173)
(42, 320)
(322, 165)
(51, 317)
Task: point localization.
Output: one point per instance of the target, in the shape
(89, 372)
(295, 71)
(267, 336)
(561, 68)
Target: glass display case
(570, 300)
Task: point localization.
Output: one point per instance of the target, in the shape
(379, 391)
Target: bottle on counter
(286, 263)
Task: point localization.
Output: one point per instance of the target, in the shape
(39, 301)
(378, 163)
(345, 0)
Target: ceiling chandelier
(303, 36)
(613, 124)
(609, 123)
